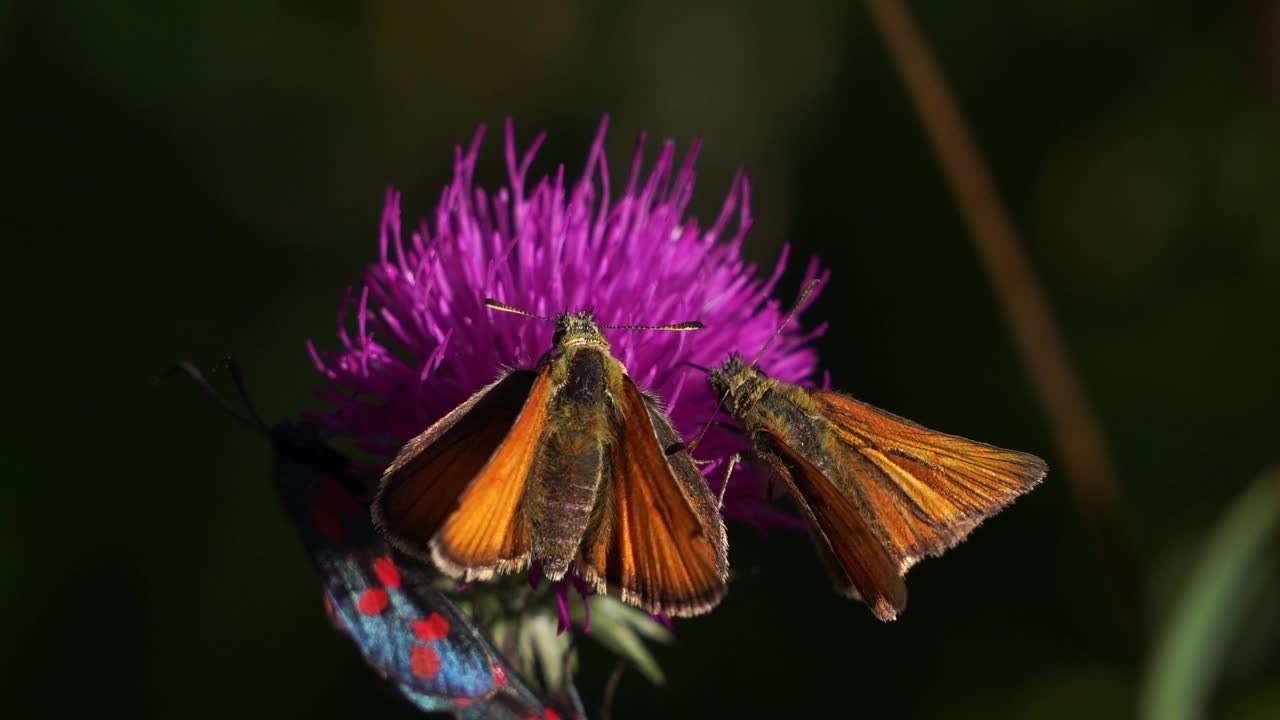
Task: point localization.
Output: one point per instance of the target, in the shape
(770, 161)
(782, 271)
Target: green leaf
(550, 649)
(623, 629)
(1228, 579)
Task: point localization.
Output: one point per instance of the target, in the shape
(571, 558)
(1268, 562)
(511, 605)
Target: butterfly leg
(734, 460)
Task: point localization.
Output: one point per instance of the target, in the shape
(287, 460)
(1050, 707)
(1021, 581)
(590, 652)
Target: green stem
(1224, 584)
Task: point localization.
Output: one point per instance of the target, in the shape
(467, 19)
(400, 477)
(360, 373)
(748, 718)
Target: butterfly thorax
(741, 385)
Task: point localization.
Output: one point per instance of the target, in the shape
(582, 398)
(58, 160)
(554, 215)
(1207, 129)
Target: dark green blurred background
(188, 180)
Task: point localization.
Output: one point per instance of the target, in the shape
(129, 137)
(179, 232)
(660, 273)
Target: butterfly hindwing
(858, 561)
(660, 541)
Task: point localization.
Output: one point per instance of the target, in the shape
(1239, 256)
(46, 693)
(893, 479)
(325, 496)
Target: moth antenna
(694, 365)
(804, 295)
(495, 305)
(237, 376)
(677, 327)
(193, 374)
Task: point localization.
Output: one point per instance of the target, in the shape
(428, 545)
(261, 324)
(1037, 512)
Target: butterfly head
(741, 385)
(578, 330)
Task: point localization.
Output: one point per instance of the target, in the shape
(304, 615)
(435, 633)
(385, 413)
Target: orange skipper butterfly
(879, 491)
(563, 465)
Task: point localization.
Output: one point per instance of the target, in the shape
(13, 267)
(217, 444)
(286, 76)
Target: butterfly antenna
(495, 305)
(707, 427)
(193, 374)
(804, 295)
(677, 327)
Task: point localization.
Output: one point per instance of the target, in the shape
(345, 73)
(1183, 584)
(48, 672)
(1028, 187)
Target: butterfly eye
(555, 339)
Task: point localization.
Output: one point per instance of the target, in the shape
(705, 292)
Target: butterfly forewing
(923, 490)
(453, 492)
(660, 542)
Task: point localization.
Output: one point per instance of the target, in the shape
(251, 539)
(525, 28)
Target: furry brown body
(570, 468)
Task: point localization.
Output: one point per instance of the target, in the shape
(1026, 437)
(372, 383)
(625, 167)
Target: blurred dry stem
(611, 689)
(1081, 448)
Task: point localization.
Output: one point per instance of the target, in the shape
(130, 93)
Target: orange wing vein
(454, 491)
(660, 543)
(922, 490)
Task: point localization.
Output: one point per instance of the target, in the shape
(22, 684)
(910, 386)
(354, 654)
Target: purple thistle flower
(423, 341)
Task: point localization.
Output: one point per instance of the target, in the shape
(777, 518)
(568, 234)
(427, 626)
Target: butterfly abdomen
(571, 460)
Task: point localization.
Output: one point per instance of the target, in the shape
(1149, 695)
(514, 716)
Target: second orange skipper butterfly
(879, 491)
(563, 465)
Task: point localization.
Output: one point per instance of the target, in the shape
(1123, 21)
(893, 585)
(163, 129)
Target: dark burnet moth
(409, 632)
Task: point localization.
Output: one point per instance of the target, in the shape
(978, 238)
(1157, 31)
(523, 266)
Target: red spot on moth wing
(387, 572)
(434, 627)
(462, 702)
(551, 715)
(373, 601)
(326, 521)
(499, 676)
(424, 661)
